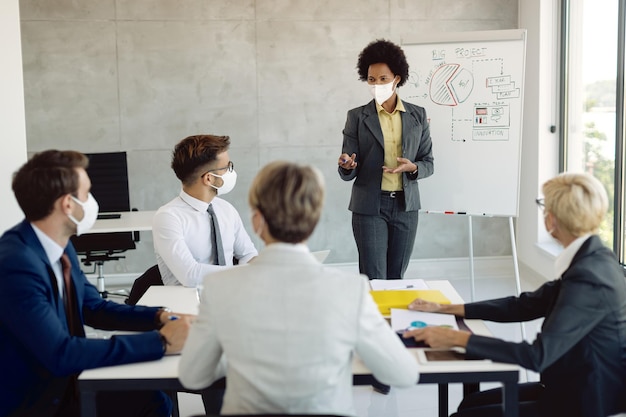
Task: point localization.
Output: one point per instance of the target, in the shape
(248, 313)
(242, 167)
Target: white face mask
(229, 179)
(90, 214)
(382, 92)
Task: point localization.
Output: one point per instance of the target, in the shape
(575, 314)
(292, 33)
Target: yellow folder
(388, 299)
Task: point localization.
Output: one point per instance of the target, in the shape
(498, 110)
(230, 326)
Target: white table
(129, 221)
(163, 374)
(180, 299)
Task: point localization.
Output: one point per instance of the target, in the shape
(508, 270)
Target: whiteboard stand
(518, 285)
(471, 258)
(517, 280)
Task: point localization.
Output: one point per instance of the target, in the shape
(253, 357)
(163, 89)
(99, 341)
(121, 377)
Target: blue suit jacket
(581, 350)
(363, 136)
(38, 355)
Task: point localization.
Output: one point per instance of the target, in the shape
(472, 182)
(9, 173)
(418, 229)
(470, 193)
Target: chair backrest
(151, 277)
(109, 185)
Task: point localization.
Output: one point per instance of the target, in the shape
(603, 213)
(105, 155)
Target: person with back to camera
(386, 149)
(581, 350)
(288, 325)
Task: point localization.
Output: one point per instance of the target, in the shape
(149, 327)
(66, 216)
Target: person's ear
(550, 222)
(65, 202)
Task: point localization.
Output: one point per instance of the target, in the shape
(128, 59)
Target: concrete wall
(278, 76)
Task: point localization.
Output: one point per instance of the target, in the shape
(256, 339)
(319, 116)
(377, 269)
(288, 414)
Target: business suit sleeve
(201, 362)
(106, 315)
(528, 306)
(350, 145)
(574, 315)
(419, 132)
(381, 349)
(36, 320)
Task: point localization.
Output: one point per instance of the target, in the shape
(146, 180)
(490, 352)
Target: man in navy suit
(45, 299)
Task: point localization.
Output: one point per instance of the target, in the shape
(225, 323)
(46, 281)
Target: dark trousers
(213, 397)
(489, 403)
(385, 242)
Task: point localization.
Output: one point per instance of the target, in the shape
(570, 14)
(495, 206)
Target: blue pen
(172, 318)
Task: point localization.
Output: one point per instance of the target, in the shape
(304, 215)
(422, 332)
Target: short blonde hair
(578, 201)
(290, 198)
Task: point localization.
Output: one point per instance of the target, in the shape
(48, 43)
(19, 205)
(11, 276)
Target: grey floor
(493, 281)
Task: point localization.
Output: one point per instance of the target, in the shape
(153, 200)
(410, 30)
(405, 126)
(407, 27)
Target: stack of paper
(404, 319)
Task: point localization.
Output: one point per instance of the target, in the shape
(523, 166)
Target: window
(592, 102)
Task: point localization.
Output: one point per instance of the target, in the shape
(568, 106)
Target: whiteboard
(472, 86)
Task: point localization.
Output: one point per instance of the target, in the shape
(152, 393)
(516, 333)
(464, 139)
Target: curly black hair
(386, 52)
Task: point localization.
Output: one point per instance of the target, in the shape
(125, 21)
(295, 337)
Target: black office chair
(109, 185)
(151, 277)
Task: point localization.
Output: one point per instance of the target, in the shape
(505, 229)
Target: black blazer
(581, 350)
(363, 136)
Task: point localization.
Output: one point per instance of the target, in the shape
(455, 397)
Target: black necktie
(216, 238)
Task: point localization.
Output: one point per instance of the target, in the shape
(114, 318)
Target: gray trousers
(385, 242)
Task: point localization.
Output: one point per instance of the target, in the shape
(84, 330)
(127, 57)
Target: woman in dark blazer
(386, 149)
(581, 350)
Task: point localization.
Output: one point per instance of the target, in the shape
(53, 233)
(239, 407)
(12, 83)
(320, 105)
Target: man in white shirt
(183, 231)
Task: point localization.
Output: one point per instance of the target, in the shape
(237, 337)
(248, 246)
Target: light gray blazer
(363, 136)
(289, 327)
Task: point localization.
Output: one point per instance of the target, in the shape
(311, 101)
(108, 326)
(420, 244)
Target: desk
(130, 221)
(163, 374)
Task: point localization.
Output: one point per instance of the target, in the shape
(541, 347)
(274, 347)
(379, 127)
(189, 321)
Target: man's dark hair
(44, 178)
(382, 51)
(195, 154)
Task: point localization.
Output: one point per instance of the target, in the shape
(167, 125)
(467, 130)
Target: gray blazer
(363, 136)
(290, 327)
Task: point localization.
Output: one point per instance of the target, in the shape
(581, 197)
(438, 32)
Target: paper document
(402, 319)
(398, 284)
(386, 299)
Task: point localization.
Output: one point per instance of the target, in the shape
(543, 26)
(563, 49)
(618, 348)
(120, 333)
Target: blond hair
(578, 201)
(290, 198)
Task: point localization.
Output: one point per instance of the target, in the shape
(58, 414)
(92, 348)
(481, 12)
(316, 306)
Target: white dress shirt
(564, 260)
(54, 253)
(181, 231)
(289, 327)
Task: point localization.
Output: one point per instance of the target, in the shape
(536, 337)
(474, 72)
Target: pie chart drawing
(451, 85)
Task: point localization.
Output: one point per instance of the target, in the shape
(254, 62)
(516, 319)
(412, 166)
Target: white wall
(12, 123)
(539, 145)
